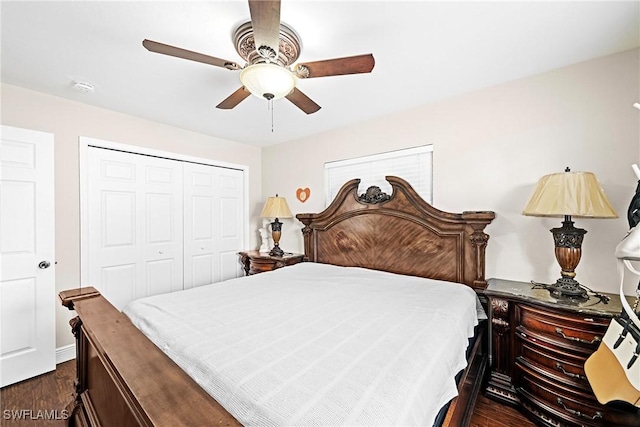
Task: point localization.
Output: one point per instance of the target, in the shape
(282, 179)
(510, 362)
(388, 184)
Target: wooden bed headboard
(399, 233)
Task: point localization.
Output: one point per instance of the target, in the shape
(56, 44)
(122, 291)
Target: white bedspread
(318, 345)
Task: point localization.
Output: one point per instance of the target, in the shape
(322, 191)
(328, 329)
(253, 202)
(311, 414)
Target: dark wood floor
(489, 413)
(45, 397)
(39, 401)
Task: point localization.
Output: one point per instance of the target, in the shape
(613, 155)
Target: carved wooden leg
(499, 385)
(76, 414)
(246, 263)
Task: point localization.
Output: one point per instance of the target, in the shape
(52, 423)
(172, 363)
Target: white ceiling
(424, 51)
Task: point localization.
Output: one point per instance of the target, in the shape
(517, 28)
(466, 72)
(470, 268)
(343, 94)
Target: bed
(123, 378)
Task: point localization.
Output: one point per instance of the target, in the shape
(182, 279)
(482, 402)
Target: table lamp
(569, 194)
(276, 207)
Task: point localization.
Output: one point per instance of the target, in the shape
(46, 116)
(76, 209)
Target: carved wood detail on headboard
(399, 233)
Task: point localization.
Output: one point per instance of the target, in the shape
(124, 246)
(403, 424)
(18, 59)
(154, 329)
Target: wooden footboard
(123, 379)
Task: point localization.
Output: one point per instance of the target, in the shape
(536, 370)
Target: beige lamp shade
(569, 193)
(276, 207)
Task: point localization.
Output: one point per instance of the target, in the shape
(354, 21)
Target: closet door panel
(163, 234)
(113, 228)
(163, 241)
(213, 224)
(117, 282)
(160, 276)
(202, 269)
(231, 236)
(118, 210)
(200, 223)
(135, 232)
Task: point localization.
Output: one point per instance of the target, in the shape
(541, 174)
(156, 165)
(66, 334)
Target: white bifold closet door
(158, 225)
(213, 232)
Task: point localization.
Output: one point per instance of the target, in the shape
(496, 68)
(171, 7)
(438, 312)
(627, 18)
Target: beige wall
(490, 148)
(68, 120)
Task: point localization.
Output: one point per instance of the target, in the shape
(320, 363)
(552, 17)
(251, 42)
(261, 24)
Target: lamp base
(276, 231)
(276, 251)
(568, 288)
(568, 250)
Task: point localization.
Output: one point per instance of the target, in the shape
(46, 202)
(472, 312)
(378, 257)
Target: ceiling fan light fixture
(268, 81)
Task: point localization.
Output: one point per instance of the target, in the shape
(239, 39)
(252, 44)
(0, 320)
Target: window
(414, 165)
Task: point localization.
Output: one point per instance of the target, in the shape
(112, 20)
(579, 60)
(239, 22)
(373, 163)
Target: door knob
(44, 264)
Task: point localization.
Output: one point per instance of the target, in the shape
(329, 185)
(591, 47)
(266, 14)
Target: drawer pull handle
(595, 339)
(569, 374)
(523, 335)
(597, 415)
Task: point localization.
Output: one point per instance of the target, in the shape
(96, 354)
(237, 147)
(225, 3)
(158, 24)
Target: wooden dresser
(538, 346)
(255, 262)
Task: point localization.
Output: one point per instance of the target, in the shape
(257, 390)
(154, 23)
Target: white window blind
(414, 165)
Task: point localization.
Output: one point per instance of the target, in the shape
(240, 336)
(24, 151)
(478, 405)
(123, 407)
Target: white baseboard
(63, 354)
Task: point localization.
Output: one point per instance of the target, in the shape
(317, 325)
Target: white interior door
(214, 232)
(135, 227)
(27, 248)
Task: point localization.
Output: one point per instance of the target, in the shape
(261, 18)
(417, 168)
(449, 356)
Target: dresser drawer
(569, 407)
(578, 333)
(559, 366)
(533, 399)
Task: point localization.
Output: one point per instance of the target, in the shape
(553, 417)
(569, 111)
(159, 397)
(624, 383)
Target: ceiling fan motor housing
(289, 47)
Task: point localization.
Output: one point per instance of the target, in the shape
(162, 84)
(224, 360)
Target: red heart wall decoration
(303, 194)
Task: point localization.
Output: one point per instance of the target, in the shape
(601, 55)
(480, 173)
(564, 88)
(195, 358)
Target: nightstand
(255, 262)
(538, 346)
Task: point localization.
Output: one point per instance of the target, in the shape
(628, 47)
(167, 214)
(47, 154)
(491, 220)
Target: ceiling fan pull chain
(270, 104)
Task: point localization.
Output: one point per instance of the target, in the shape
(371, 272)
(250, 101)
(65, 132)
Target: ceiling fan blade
(336, 67)
(302, 101)
(265, 20)
(166, 49)
(234, 99)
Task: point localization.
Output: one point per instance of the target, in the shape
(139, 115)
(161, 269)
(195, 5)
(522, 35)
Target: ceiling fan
(269, 47)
